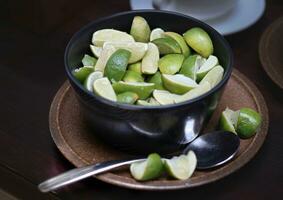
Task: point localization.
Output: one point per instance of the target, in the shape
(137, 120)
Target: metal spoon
(212, 149)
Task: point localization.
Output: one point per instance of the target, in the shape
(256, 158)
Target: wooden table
(32, 70)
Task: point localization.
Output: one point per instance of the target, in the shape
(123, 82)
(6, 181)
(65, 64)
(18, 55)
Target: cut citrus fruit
(117, 64)
(82, 73)
(214, 76)
(150, 60)
(164, 97)
(156, 33)
(181, 167)
(127, 97)
(95, 50)
(110, 35)
(149, 169)
(191, 65)
(199, 41)
(89, 60)
(137, 49)
(131, 76)
(228, 120)
(153, 101)
(180, 40)
(103, 88)
(143, 90)
(136, 67)
(157, 80)
(178, 84)
(211, 62)
(88, 83)
(140, 29)
(103, 58)
(167, 45)
(171, 63)
(247, 123)
(197, 91)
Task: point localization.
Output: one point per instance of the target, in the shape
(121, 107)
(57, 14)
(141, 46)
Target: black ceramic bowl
(140, 129)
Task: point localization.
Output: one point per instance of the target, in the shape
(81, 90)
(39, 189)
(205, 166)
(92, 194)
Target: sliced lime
(214, 76)
(195, 92)
(171, 63)
(167, 45)
(82, 73)
(103, 58)
(127, 97)
(96, 50)
(88, 83)
(89, 60)
(137, 49)
(149, 169)
(211, 62)
(143, 90)
(150, 60)
(140, 29)
(117, 64)
(103, 88)
(164, 97)
(110, 35)
(200, 41)
(228, 120)
(191, 65)
(178, 84)
(180, 40)
(156, 33)
(131, 76)
(136, 67)
(181, 167)
(157, 80)
(248, 122)
(153, 101)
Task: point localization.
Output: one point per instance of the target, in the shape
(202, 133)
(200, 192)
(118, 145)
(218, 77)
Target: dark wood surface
(32, 70)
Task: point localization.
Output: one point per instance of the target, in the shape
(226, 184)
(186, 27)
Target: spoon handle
(77, 174)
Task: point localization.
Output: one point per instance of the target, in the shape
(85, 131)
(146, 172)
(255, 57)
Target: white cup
(200, 9)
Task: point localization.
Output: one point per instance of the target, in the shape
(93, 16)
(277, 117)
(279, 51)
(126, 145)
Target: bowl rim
(226, 76)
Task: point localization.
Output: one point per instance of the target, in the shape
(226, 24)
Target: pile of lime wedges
(149, 67)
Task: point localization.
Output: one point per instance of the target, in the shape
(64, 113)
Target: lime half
(149, 169)
(178, 84)
(103, 88)
(228, 120)
(88, 83)
(150, 60)
(181, 167)
(156, 33)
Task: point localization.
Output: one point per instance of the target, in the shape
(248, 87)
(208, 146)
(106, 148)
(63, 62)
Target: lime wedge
(81, 73)
(171, 63)
(140, 29)
(157, 80)
(167, 45)
(127, 97)
(181, 167)
(88, 83)
(211, 62)
(137, 49)
(164, 97)
(103, 88)
(131, 76)
(228, 120)
(153, 101)
(143, 90)
(156, 33)
(178, 84)
(180, 40)
(248, 122)
(149, 169)
(95, 50)
(191, 65)
(199, 41)
(110, 35)
(197, 91)
(88, 60)
(214, 76)
(136, 67)
(117, 64)
(150, 60)
(103, 58)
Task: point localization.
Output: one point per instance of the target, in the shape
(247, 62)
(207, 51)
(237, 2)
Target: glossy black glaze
(214, 149)
(139, 129)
